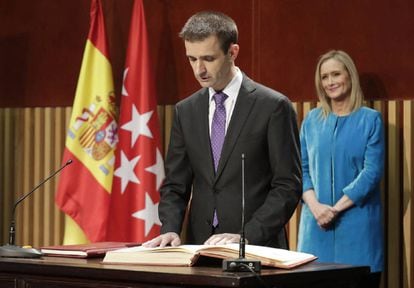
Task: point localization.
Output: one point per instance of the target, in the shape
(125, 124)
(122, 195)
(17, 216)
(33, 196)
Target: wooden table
(65, 272)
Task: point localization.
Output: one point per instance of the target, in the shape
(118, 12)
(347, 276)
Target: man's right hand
(163, 240)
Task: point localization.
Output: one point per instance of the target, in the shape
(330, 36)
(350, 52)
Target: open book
(187, 255)
(97, 249)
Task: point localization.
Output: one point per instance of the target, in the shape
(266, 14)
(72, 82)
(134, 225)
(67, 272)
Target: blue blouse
(344, 155)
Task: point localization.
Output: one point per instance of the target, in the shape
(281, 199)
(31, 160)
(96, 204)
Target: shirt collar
(232, 89)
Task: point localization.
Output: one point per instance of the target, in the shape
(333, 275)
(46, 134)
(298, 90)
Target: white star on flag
(124, 91)
(157, 169)
(138, 125)
(126, 171)
(149, 214)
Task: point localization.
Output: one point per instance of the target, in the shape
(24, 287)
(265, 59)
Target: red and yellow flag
(139, 166)
(84, 188)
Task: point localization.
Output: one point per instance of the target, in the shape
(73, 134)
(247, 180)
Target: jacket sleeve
(306, 178)
(176, 189)
(373, 166)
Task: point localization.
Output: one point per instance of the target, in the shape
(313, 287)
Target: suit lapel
(202, 112)
(244, 104)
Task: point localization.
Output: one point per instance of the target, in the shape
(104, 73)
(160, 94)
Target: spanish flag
(84, 189)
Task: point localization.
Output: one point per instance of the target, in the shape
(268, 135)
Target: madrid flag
(139, 165)
(84, 188)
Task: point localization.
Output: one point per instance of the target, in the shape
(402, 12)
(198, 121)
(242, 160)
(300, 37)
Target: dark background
(42, 44)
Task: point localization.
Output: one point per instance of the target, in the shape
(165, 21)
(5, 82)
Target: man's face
(211, 67)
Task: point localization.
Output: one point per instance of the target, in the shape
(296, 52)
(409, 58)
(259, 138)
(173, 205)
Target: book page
(182, 248)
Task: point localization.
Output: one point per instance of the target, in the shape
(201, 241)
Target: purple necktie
(218, 127)
(218, 133)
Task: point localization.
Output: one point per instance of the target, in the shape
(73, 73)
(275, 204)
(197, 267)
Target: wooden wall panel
(24, 219)
(408, 191)
(393, 206)
(46, 215)
(7, 120)
(169, 113)
(39, 156)
(32, 143)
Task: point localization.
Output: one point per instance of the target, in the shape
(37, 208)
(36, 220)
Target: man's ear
(234, 51)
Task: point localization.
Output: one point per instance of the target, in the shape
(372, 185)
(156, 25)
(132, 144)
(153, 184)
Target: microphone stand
(10, 249)
(241, 264)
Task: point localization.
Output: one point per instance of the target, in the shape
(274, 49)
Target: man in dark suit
(205, 167)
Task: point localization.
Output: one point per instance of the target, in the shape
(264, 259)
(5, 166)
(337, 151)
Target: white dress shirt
(232, 91)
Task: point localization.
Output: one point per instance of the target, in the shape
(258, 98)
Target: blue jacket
(344, 155)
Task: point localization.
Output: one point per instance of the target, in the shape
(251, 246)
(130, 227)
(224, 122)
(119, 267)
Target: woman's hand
(324, 214)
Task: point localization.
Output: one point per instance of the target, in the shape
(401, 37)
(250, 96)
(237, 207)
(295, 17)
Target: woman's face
(335, 80)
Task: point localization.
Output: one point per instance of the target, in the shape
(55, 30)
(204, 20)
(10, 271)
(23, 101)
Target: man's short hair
(207, 23)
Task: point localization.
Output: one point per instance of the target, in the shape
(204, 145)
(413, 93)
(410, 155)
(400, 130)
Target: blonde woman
(342, 146)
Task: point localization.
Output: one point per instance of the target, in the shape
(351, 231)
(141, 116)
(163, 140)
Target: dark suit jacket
(263, 126)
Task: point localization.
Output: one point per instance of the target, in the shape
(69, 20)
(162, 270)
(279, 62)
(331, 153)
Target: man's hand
(225, 238)
(163, 240)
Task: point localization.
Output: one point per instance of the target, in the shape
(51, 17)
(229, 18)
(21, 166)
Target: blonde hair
(356, 95)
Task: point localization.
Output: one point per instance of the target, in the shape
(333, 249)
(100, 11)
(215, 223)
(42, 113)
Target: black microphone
(10, 249)
(241, 264)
